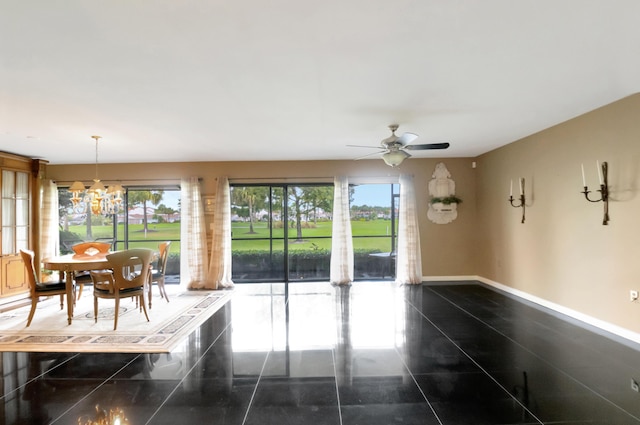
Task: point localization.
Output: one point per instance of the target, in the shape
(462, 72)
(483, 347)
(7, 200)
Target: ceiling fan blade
(407, 138)
(368, 155)
(427, 146)
(361, 146)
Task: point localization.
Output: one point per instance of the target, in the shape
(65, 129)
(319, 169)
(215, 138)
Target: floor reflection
(322, 330)
(371, 353)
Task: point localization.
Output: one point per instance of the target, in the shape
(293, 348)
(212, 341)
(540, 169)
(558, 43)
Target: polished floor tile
(372, 353)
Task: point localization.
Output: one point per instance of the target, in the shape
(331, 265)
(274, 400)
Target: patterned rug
(169, 324)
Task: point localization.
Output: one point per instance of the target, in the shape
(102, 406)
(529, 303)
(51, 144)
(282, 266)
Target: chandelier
(100, 200)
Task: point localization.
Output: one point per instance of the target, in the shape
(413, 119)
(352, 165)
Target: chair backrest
(28, 259)
(164, 255)
(130, 267)
(83, 247)
(103, 279)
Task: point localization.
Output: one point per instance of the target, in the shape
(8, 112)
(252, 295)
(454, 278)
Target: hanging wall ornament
(443, 202)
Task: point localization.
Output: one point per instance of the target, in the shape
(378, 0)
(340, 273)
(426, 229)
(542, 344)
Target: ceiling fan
(394, 148)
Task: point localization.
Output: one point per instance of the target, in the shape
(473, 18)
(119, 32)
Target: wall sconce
(604, 188)
(522, 197)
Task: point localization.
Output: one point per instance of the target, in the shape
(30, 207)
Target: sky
(373, 195)
(170, 198)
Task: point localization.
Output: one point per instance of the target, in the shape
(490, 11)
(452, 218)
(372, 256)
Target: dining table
(70, 263)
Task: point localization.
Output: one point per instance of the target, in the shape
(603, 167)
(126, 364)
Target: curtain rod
(317, 179)
(314, 179)
(129, 181)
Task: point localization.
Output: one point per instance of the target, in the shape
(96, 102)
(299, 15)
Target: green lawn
(137, 237)
(171, 231)
(321, 229)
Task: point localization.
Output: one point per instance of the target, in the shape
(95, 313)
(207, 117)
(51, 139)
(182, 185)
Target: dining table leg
(70, 295)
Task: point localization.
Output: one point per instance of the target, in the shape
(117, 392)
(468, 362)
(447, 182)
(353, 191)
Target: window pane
(8, 184)
(22, 186)
(22, 238)
(373, 226)
(152, 216)
(257, 260)
(120, 230)
(250, 212)
(8, 212)
(8, 244)
(22, 212)
(310, 210)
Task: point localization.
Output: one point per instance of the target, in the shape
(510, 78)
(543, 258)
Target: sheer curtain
(220, 264)
(408, 256)
(193, 237)
(49, 232)
(341, 272)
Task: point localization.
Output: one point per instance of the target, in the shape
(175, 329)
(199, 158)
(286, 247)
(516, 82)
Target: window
(15, 211)
(149, 215)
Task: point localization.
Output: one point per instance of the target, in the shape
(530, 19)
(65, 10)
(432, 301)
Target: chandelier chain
(96, 138)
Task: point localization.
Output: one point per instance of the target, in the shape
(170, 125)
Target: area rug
(169, 324)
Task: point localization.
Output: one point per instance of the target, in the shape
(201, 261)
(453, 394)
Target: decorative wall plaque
(443, 203)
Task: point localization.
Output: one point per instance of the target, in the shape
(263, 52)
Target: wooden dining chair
(127, 278)
(87, 247)
(83, 277)
(157, 274)
(40, 289)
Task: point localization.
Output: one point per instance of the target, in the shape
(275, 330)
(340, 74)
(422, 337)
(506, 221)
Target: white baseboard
(592, 321)
(447, 278)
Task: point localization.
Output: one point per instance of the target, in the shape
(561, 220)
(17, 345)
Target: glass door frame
(286, 276)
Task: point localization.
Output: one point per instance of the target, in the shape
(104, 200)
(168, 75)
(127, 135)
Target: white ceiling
(188, 80)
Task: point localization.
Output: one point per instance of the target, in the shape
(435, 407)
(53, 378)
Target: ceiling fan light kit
(394, 148)
(395, 158)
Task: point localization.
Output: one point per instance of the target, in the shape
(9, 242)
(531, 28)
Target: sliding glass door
(257, 231)
(281, 232)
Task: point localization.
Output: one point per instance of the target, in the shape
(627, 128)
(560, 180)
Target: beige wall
(563, 253)
(447, 250)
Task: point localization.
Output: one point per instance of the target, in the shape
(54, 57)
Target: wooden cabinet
(16, 221)
(14, 276)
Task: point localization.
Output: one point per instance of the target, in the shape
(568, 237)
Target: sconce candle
(521, 185)
(604, 189)
(584, 180)
(522, 197)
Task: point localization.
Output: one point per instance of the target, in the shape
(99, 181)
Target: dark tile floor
(369, 354)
